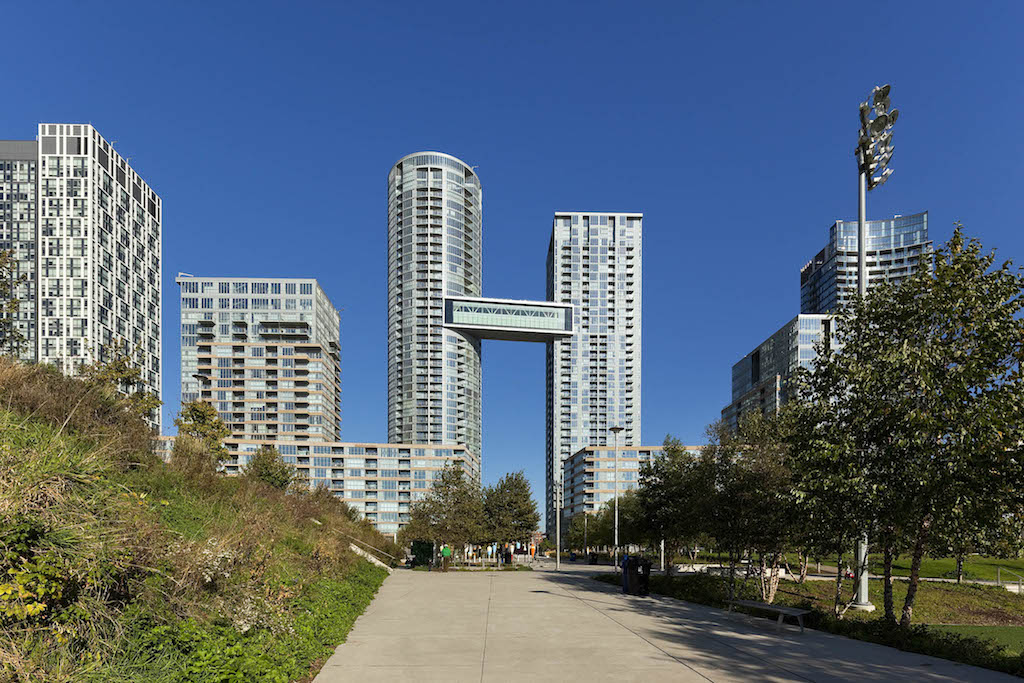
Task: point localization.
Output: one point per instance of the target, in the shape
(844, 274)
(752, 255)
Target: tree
(116, 372)
(452, 511)
(920, 406)
(12, 341)
(509, 510)
(671, 496)
(199, 420)
(266, 465)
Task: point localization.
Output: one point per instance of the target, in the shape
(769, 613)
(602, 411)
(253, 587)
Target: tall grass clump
(117, 567)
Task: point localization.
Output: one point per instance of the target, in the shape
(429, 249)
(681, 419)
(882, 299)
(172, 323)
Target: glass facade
(435, 205)
(593, 378)
(511, 315)
(18, 203)
(265, 352)
(760, 380)
(895, 248)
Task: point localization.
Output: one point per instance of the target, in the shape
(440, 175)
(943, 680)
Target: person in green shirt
(446, 557)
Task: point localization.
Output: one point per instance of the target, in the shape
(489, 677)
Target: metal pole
(862, 602)
(558, 525)
(616, 501)
(663, 556)
(586, 548)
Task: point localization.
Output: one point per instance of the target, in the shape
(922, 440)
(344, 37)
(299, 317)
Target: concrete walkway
(547, 626)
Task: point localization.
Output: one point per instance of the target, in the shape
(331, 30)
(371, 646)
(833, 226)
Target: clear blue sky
(269, 129)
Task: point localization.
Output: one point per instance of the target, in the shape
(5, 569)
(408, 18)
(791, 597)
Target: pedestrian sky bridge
(509, 319)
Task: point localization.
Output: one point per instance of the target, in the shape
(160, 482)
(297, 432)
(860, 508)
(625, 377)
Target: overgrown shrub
(266, 465)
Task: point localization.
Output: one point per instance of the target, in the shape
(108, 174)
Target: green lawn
(1010, 637)
(976, 567)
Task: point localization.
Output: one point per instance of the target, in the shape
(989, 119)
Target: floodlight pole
(862, 603)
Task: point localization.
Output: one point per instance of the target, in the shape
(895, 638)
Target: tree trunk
(890, 610)
(732, 575)
(915, 570)
(839, 586)
(959, 568)
(803, 567)
(768, 580)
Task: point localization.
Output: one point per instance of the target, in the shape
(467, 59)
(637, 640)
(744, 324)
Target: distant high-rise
(86, 229)
(593, 378)
(265, 352)
(760, 380)
(18, 182)
(435, 245)
(895, 247)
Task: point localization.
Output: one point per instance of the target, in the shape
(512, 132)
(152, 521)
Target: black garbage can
(631, 576)
(643, 584)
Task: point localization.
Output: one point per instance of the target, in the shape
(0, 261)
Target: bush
(192, 456)
(266, 465)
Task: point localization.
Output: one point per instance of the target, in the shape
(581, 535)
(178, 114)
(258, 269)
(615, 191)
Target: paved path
(547, 626)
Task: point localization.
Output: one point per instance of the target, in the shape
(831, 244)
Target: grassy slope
(145, 574)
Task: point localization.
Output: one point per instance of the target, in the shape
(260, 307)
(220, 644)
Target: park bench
(776, 609)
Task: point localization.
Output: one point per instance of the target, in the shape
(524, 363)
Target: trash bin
(593, 558)
(643, 586)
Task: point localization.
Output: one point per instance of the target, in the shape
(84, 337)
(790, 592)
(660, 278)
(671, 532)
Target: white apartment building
(593, 378)
(94, 255)
(266, 352)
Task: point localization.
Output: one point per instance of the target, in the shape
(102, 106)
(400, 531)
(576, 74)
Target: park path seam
(620, 624)
(710, 635)
(487, 623)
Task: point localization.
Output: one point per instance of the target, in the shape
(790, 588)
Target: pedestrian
(446, 557)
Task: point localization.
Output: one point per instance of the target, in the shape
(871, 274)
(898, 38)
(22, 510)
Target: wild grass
(117, 567)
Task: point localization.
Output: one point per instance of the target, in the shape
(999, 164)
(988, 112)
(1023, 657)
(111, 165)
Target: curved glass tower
(434, 251)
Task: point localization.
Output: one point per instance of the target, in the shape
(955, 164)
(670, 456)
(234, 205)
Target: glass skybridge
(509, 319)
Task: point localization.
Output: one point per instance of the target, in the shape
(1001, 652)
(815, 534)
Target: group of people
(498, 553)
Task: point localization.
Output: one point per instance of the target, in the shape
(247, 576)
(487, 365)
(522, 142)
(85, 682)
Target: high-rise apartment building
(436, 315)
(591, 473)
(18, 187)
(895, 248)
(96, 245)
(760, 380)
(265, 352)
(435, 233)
(593, 378)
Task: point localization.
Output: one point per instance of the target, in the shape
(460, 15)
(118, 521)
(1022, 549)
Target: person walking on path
(446, 557)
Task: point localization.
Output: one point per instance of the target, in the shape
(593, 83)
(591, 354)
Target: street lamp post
(615, 431)
(558, 520)
(874, 150)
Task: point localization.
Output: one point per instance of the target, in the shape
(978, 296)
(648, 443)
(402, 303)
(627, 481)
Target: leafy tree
(452, 511)
(671, 498)
(266, 465)
(509, 509)
(920, 407)
(117, 372)
(12, 341)
(199, 420)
